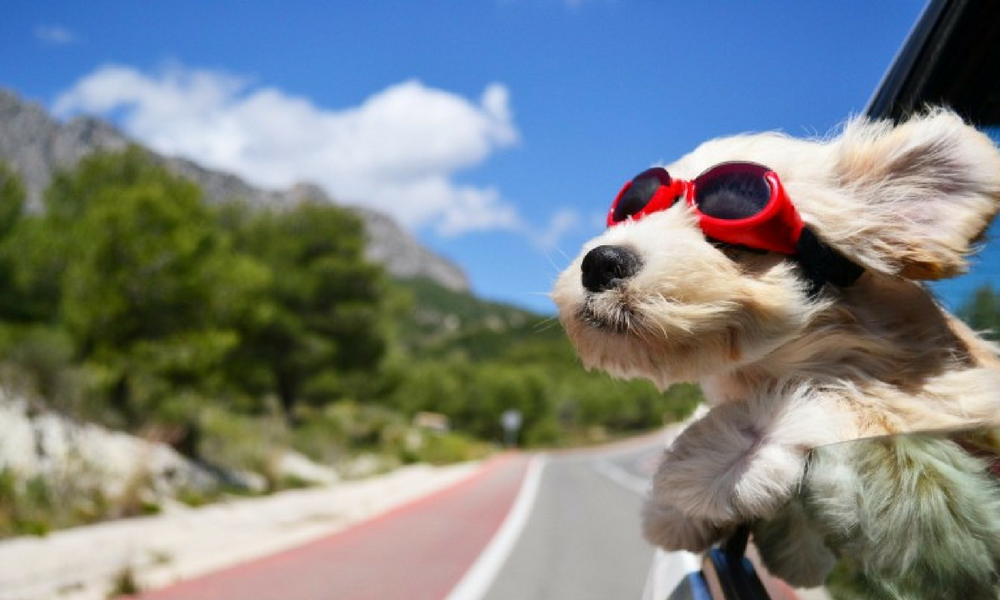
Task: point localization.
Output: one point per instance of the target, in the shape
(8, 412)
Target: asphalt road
(582, 538)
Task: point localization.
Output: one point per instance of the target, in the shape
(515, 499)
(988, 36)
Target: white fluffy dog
(786, 366)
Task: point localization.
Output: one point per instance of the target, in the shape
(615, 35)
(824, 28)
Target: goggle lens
(732, 191)
(639, 192)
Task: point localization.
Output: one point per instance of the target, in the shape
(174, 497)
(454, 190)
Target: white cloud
(562, 222)
(398, 151)
(57, 35)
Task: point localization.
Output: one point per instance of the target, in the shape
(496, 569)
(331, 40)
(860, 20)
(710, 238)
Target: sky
(497, 131)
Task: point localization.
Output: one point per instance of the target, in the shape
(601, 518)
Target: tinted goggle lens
(639, 192)
(732, 191)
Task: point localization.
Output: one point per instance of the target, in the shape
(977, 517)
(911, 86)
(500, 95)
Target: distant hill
(438, 311)
(36, 144)
(442, 323)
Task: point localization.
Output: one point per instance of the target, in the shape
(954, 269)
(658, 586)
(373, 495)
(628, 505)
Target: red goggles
(738, 203)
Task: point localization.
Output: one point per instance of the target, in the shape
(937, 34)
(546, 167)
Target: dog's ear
(928, 188)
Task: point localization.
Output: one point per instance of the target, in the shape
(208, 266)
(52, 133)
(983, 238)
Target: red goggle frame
(739, 203)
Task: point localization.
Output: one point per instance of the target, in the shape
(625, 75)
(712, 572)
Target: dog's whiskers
(546, 325)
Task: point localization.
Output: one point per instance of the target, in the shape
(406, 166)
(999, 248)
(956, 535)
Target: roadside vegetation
(233, 333)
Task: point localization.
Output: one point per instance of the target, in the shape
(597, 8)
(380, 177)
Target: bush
(37, 361)
(36, 505)
(450, 447)
(241, 442)
(545, 432)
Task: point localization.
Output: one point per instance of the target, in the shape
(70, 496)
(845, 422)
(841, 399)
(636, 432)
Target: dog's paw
(726, 474)
(669, 528)
(749, 485)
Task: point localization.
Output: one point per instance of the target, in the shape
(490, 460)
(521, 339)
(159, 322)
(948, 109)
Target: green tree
(46, 243)
(982, 311)
(11, 214)
(11, 199)
(321, 334)
(36, 352)
(151, 289)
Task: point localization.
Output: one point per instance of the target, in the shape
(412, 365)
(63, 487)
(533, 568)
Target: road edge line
(623, 478)
(484, 570)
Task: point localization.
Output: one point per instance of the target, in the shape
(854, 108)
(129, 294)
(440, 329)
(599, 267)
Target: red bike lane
(418, 551)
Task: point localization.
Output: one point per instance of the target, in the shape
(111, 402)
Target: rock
(364, 465)
(46, 444)
(297, 466)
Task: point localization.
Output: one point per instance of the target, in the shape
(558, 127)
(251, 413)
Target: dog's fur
(785, 371)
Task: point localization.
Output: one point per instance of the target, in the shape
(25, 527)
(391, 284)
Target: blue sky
(497, 130)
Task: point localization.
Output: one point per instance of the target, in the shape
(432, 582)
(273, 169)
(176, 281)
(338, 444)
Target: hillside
(37, 145)
(439, 311)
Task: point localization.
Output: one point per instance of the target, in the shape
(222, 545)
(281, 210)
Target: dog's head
(656, 298)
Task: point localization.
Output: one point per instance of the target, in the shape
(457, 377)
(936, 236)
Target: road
(580, 539)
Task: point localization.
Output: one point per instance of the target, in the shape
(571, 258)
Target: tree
(46, 243)
(982, 311)
(11, 212)
(11, 199)
(150, 287)
(321, 333)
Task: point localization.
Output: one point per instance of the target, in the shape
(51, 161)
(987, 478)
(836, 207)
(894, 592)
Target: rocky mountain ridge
(36, 145)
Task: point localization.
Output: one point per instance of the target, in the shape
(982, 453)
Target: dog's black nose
(605, 267)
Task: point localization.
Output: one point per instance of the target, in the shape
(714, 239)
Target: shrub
(450, 447)
(241, 442)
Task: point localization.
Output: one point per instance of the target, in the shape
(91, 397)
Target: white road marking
(639, 485)
(480, 576)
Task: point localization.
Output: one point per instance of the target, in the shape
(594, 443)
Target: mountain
(36, 145)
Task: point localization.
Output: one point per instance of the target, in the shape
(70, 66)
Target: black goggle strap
(823, 264)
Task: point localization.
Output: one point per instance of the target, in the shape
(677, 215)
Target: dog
(814, 328)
